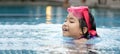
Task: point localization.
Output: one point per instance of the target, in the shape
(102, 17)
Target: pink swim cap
(83, 12)
(77, 11)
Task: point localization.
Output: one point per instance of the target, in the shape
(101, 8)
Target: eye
(71, 21)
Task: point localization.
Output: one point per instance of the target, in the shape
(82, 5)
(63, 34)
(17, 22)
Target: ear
(85, 29)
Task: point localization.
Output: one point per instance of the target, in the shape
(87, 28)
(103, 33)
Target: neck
(80, 40)
(80, 37)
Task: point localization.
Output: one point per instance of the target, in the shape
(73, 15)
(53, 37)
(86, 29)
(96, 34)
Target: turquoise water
(28, 30)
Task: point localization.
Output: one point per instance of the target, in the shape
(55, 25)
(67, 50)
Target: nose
(65, 24)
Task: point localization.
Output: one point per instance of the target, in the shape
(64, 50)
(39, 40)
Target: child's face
(71, 27)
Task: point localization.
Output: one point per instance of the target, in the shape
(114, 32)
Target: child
(79, 25)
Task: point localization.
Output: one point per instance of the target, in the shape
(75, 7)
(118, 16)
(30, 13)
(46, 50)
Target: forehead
(71, 16)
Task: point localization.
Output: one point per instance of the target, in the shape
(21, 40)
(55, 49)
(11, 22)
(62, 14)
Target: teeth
(64, 29)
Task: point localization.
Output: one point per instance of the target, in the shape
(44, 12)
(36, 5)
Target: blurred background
(34, 26)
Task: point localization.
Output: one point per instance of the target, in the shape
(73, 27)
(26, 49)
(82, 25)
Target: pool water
(37, 30)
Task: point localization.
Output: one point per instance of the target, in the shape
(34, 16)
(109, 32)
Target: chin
(66, 35)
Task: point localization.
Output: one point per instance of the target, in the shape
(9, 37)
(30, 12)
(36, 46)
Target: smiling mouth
(65, 29)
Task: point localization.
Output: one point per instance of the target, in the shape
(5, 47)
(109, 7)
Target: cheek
(75, 29)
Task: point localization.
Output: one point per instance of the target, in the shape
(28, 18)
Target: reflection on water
(48, 14)
(32, 15)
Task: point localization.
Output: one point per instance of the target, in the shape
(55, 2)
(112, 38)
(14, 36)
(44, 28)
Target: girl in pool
(79, 25)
